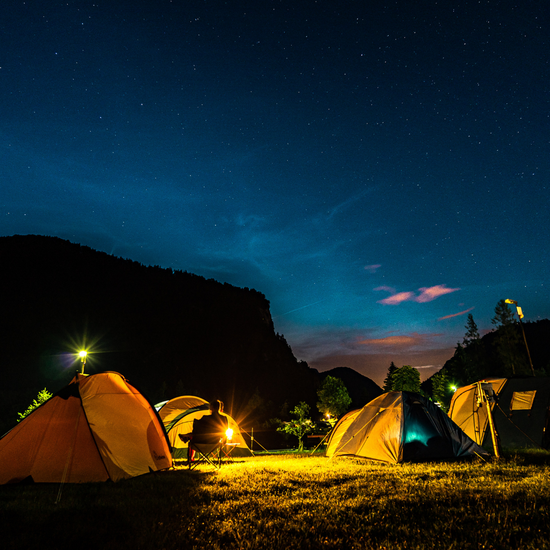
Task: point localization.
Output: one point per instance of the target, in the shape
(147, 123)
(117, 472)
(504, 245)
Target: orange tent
(97, 428)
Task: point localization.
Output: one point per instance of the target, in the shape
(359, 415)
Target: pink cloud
(386, 288)
(456, 314)
(427, 294)
(398, 298)
(431, 293)
(373, 268)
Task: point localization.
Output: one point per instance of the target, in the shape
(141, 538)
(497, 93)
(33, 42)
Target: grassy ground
(292, 501)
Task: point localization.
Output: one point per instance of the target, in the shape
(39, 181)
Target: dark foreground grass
(292, 501)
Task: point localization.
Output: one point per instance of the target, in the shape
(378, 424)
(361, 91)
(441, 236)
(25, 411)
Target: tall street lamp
(520, 317)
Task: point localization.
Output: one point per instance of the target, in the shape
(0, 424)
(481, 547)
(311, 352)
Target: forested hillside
(510, 350)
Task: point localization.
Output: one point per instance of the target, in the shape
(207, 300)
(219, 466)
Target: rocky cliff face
(168, 332)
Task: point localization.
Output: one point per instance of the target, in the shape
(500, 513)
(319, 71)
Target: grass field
(292, 501)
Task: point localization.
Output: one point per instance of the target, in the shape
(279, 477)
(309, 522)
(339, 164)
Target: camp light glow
(82, 356)
(229, 434)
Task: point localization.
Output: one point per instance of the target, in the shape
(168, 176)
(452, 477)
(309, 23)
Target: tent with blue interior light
(178, 415)
(401, 427)
(518, 409)
(97, 428)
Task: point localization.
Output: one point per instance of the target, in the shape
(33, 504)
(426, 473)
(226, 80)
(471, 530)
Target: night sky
(377, 169)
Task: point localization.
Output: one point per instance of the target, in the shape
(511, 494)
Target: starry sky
(377, 169)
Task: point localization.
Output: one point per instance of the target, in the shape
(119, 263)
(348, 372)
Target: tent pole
(321, 442)
(252, 441)
(494, 435)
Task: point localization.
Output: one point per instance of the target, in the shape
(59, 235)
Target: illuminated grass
(295, 501)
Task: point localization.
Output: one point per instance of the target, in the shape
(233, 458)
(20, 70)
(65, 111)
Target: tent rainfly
(97, 428)
(400, 427)
(519, 407)
(178, 415)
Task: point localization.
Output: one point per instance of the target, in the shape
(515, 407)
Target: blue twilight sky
(378, 169)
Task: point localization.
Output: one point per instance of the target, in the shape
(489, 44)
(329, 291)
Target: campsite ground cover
(293, 501)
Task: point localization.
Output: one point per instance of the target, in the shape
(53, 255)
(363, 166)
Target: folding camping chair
(205, 453)
(207, 438)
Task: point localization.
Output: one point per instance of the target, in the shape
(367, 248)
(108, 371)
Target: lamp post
(520, 317)
(82, 356)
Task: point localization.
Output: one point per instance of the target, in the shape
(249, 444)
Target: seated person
(211, 428)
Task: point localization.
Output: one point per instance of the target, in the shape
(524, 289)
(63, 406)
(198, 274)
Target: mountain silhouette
(168, 332)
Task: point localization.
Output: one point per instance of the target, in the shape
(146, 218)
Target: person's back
(210, 428)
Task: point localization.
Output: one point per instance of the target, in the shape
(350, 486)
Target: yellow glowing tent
(520, 411)
(97, 428)
(178, 415)
(400, 427)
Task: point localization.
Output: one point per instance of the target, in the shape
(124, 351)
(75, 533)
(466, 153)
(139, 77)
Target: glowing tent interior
(519, 407)
(178, 415)
(400, 427)
(97, 428)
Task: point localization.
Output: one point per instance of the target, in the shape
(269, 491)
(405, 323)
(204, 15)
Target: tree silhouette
(388, 381)
(299, 426)
(406, 378)
(507, 340)
(334, 399)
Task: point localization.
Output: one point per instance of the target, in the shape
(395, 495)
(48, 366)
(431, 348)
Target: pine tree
(470, 354)
(472, 333)
(389, 378)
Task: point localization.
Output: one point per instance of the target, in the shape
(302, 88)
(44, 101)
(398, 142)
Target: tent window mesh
(522, 400)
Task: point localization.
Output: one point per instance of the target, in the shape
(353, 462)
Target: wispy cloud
(373, 268)
(298, 308)
(389, 289)
(328, 348)
(398, 298)
(391, 341)
(427, 294)
(431, 293)
(348, 202)
(456, 314)
(401, 342)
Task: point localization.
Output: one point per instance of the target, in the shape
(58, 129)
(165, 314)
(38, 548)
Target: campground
(290, 500)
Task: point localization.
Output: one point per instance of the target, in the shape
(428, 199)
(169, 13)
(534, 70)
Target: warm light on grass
(298, 501)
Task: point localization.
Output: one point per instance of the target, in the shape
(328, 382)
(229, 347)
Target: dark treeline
(168, 332)
(502, 353)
